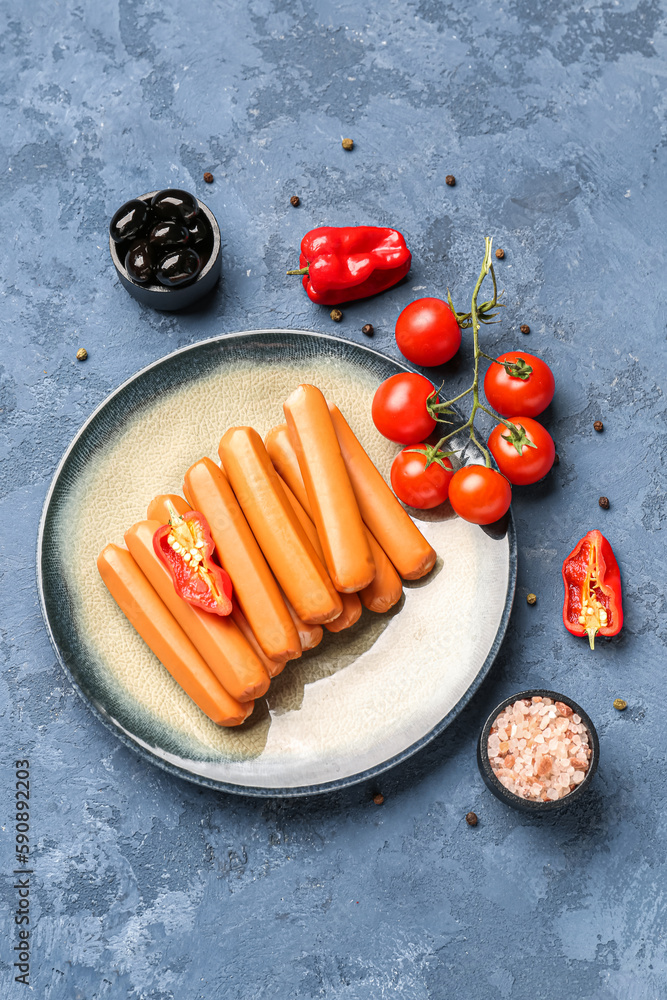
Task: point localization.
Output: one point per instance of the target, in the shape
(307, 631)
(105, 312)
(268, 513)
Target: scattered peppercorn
(500, 253)
(295, 200)
(524, 328)
(620, 704)
(348, 144)
(532, 598)
(450, 180)
(368, 329)
(81, 354)
(378, 798)
(604, 503)
(556, 459)
(208, 177)
(598, 426)
(336, 315)
(471, 819)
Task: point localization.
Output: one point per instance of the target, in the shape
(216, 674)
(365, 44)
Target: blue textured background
(551, 116)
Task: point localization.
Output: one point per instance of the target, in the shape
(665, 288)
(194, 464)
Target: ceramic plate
(367, 697)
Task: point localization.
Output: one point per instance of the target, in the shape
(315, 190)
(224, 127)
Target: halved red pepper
(592, 579)
(185, 546)
(352, 262)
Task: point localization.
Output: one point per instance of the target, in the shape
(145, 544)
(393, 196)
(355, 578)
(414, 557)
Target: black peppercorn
(471, 819)
(368, 329)
(378, 798)
(295, 200)
(532, 598)
(524, 328)
(598, 426)
(336, 315)
(347, 144)
(450, 180)
(500, 253)
(208, 177)
(604, 503)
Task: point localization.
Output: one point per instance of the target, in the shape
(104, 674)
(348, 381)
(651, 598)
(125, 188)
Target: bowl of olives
(165, 246)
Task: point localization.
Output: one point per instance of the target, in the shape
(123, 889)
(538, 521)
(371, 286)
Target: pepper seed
(500, 253)
(598, 426)
(524, 328)
(208, 177)
(604, 503)
(378, 798)
(450, 180)
(471, 819)
(295, 200)
(347, 144)
(368, 329)
(336, 315)
(81, 354)
(620, 704)
(532, 598)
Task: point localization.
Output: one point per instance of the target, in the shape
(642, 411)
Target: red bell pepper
(592, 579)
(185, 547)
(353, 262)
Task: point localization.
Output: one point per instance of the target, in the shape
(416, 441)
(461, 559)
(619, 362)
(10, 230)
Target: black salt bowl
(535, 805)
(170, 299)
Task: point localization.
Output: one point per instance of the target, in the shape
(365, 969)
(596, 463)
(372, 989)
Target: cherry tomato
(533, 463)
(399, 408)
(417, 485)
(479, 494)
(427, 332)
(509, 394)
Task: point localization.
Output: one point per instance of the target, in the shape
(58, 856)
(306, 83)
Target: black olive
(129, 220)
(178, 267)
(168, 234)
(200, 230)
(179, 206)
(139, 262)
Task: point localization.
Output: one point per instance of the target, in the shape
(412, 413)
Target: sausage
(386, 589)
(333, 506)
(164, 636)
(218, 640)
(389, 522)
(351, 604)
(272, 667)
(294, 562)
(207, 490)
(282, 454)
(310, 635)
(159, 511)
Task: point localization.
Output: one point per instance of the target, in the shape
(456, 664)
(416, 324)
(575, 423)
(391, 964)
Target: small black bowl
(170, 299)
(532, 805)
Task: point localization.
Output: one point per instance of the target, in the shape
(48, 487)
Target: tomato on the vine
(427, 332)
(421, 477)
(529, 389)
(399, 408)
(479, 494)
(531, 458)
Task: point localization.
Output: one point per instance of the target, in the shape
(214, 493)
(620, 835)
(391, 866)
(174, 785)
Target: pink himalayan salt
(538, 749)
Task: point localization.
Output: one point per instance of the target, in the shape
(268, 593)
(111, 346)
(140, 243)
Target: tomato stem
(478, 314)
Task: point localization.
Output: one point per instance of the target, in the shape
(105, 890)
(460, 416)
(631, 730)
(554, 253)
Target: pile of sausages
(308, 531)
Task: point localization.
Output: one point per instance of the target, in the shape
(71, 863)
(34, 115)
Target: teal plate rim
(134, 742)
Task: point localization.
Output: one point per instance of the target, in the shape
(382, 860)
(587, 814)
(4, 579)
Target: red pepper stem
(591, 632)
(301, 270)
